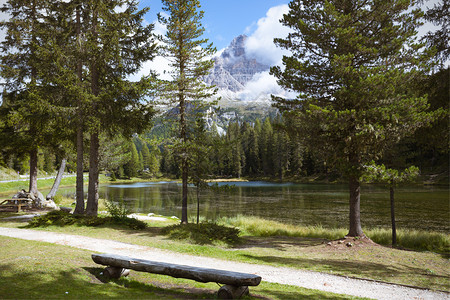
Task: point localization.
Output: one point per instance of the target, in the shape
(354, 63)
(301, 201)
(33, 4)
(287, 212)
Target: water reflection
(306, 204)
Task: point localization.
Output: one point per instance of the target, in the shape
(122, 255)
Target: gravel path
(311, 280)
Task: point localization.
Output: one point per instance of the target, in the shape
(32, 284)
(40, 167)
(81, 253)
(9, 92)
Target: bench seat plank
(178, 271)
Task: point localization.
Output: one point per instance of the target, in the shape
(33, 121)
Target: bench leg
(115, 272)
(232, 292)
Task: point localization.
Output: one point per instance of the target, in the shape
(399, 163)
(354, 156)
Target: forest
(370, 92)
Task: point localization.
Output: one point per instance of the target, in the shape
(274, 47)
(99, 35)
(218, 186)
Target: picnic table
(16, 204)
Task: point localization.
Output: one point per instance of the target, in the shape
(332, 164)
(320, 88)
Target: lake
(425, 208)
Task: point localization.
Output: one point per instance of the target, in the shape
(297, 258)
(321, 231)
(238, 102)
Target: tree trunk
(92, 201)
(33, 172)
(355, 199)
(232, 292)
(394, 231)
(198, 204)
(79, 208)
(58, 178)
(184, 176)
(184, 158)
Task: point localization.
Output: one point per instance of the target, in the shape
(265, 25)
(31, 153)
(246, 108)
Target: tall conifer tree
(354, 64)
(26, 105)
(189, 57)
(117, 45)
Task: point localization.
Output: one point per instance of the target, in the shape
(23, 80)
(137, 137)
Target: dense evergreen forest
(253, 148)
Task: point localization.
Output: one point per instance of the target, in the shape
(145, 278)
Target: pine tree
(266, 147)
(117, 44)
(132, 166)
(145, 156)
(354, 65)
(141, 162)
(188, 54)
(439, 16)
(25, 104)
(154, 164)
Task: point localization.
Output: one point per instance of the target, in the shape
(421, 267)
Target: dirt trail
(307, 279)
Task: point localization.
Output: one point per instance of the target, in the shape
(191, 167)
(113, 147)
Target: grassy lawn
(37, 270)
(364, 259)
(7, 189)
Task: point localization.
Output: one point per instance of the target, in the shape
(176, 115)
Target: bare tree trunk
(184, 178)
(355, 211)
(184, 158)
(79, 208)
(92, 201)
(58, 178)
(33, 172)
(198, 203)
(394, 231)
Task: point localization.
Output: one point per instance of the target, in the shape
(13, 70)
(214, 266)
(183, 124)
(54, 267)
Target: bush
(203, 233)
(117, 210)
(58, 199)
(61, 218)
(113, 176)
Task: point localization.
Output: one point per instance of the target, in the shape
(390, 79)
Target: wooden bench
(16, 204)
(235, 284)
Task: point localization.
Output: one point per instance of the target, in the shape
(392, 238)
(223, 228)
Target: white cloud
(262, 84)
(160, 29)
(159, 64)
(260, 43)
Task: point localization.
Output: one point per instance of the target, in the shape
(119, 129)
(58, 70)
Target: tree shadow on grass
(305, 295)
(83, 283)
(281, 243)
(363, 269)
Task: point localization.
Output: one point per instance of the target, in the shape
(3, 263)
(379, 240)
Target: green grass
(9, 188)
(408, 239)
(372, 261)
(412, 239)
(37, 270)
(203, 233)
(264, 228)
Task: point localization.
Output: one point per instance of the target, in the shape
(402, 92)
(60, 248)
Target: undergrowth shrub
(412, 239)
(61, 218)
(409, 239)
(117, 209)
(57, 199)
(264, 228)
(203, 233)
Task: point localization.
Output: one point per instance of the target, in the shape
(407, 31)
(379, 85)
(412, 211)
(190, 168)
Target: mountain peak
(233, 69)
(237, 46)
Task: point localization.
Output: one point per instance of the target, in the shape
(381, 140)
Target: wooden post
(115, 272)
(232, 292)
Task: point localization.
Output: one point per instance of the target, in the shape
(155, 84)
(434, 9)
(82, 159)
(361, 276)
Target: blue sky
(224, 19)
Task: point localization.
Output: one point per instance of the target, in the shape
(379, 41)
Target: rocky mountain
(233, 69)
(234, 74)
